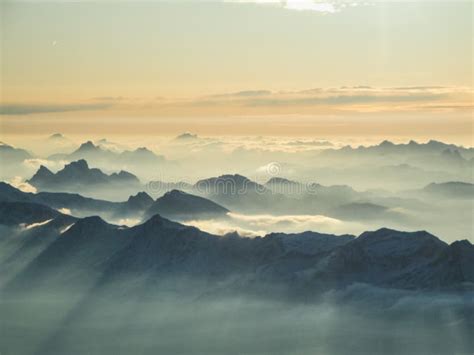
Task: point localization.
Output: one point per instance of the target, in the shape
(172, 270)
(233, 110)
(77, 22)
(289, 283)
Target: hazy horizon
(376, 70)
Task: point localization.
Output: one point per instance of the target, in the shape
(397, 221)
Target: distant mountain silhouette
(452, 189)
(285, 186)
(236, 192)
(99, 155)
(180, 205)
(12, 155)
(76, 174)
(187, 136)
(433, 155)
(78, 205)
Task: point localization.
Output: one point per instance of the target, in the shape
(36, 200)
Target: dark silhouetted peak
(89, 225)
(462, 244)
(140, 200)
(43, 174)
(183, 205)
(79, 165)
(43, 171)
(157, 221)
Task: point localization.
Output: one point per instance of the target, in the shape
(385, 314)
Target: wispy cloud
(21, 184)
(321, 6)
(357, 98)
(27, 109)
(335, 100)
(259, 225)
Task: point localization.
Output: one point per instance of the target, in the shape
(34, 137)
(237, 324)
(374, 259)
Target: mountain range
(175, 204)
(305, 263)
(78, 175)
(98, 155)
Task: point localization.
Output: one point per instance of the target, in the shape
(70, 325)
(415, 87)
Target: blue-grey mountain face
(77, 174)
(183, 206)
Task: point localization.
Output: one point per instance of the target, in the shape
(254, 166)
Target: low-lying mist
(125, 320)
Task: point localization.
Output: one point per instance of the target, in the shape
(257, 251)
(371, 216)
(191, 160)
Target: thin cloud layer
(27, 109)
(344, 99)
(320, 6)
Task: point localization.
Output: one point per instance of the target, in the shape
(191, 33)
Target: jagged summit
(140, 201)
(43, 171)
(141, 196)
(80, 164)
(78, 173)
